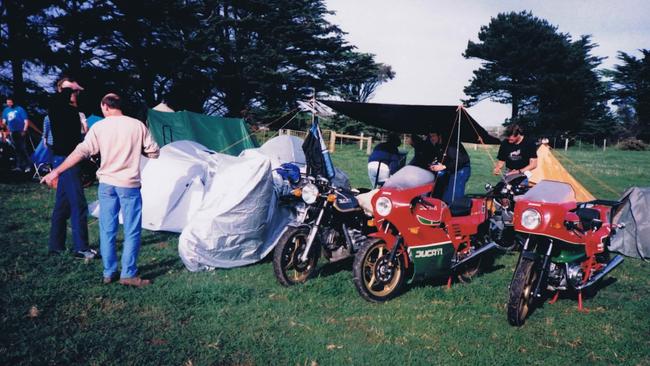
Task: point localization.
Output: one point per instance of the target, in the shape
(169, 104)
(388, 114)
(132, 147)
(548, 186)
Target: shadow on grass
(155, 237)
(157, 269)
(330, 269)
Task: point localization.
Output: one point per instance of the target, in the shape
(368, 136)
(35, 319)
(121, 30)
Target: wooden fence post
(332, 146)
(604, 144)
(566, 144)
(361, 142)
(369, 147)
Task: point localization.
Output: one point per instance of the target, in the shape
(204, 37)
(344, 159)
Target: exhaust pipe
(482, 250)
(608, 268)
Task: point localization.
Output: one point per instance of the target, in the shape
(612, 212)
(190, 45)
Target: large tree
(267, 54)
(24, 48)
(549, 79)
(631, 84)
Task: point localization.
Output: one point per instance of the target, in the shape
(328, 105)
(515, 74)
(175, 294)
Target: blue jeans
(70, 203)
(111, 199)
(457, 181)
(20, 145)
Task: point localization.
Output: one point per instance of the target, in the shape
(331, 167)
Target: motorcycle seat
(589, 217)
(461, 207)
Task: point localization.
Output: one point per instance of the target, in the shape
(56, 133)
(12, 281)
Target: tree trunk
(16, 29)
(515, 107)
(75, 62)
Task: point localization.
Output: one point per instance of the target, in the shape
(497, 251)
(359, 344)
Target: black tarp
(419, 119)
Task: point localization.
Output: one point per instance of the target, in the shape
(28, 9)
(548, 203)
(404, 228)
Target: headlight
(531, 219)
(309, 193)
(383, 206)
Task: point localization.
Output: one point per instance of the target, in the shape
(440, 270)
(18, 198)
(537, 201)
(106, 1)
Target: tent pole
(453, 191)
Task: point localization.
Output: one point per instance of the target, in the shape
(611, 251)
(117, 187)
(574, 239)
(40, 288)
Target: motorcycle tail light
(531, 219)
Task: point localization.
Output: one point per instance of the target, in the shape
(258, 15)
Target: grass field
(54, 310)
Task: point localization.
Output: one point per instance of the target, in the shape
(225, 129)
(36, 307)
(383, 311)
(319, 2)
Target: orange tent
(549, 168)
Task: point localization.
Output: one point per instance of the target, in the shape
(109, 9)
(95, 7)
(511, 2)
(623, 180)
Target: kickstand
(449, 283)
(580, 307)
(554, 299)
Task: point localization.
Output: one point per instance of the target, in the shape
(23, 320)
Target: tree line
(553, 82)
(255, 58)
(245, 58)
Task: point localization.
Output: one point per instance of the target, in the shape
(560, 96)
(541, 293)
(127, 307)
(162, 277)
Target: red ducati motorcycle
(420, 237)
(565, 246)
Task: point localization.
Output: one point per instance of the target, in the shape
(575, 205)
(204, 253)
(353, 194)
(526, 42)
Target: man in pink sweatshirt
(120, 140)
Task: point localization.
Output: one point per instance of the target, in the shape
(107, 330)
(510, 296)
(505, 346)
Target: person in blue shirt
(384, 160)
(15, 118)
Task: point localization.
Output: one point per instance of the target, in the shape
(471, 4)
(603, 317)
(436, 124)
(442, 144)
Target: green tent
(223, 135)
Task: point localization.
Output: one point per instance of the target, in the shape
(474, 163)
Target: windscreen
(409, 177)
(550, 191)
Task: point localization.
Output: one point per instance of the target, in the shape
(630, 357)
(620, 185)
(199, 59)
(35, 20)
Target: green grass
(242, 316)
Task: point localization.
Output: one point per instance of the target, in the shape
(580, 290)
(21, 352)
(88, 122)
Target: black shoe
(87, 254)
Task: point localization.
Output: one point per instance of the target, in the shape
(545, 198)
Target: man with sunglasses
(517, 153)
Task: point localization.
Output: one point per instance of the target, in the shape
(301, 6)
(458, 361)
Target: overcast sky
(424, 40)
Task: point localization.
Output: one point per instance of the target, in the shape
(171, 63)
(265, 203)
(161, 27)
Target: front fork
(546, 263)
(312, 233)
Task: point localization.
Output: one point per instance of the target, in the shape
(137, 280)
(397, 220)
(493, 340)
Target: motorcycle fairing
(552, 224)
(430, 260)
(429, 213)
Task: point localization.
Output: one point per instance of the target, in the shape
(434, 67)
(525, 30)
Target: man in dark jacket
(70, 199)
(458, 172)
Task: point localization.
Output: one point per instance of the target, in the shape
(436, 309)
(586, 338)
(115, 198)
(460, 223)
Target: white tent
(162, 107)
(173, 185)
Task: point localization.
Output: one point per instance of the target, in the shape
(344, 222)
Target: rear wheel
(521, 301)
(474, 267)
(287, 266)
(376, 278)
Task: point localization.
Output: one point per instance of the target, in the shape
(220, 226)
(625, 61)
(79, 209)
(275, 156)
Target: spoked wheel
(522, 302)
(375, 277)
(287, 266)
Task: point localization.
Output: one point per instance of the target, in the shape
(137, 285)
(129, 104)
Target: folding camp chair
(41, 159)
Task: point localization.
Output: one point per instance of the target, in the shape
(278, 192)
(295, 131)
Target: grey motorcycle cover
(634, 239)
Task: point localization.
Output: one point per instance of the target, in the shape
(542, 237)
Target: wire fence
(335, 139)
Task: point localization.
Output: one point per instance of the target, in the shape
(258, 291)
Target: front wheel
(287, 266)
(522, 301)
(375, 277)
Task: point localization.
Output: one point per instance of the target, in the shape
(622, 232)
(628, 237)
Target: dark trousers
(456, 187)
(22, 158)
(70, 203)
